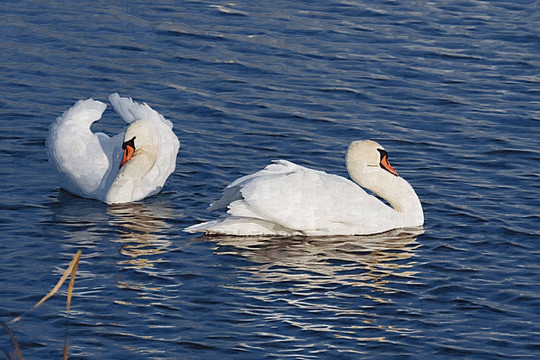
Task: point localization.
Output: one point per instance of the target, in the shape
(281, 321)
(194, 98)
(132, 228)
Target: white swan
(127, 167)
(288, 199)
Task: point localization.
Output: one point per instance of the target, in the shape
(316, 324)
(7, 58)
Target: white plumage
(90, 163)
(288, 199)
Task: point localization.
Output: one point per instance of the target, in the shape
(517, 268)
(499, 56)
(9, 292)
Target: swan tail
(240, 226)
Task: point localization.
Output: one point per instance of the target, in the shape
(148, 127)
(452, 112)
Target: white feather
(89, 163)
(288, 199)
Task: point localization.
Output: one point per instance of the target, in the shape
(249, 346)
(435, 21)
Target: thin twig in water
(72, 267)
(15, 342)
(66, 350)
(75, 263)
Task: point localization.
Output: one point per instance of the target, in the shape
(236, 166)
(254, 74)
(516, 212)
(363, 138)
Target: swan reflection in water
(142, 237)
(141, 226)
(339, 276)
(346, 260)
(141, 233)
(140, 230)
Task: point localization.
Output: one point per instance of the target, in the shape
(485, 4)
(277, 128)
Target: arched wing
(165, 164)
(83, 158)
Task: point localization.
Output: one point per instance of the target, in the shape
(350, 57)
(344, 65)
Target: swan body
(289, 199)
(124, 168)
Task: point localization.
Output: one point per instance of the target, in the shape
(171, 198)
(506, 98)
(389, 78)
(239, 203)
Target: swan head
(367, 163)
(140, 138)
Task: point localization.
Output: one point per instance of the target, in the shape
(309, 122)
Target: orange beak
(386, 165)
(128, 154)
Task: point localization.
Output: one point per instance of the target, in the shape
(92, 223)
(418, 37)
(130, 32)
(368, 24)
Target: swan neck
(399, 194)
(394, 189)
(129, 178)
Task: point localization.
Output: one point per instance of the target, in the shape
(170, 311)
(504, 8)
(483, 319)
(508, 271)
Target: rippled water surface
(450, 88)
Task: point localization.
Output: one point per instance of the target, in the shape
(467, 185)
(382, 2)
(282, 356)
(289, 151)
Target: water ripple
(449, 88)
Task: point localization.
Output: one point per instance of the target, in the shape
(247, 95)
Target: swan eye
(129, 143)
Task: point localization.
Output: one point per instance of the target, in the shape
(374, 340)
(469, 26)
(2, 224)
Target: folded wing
(288, 198)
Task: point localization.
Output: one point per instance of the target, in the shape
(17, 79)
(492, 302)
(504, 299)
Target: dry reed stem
(66, 350)
(72, 269)
(15, 342)
(75, 260)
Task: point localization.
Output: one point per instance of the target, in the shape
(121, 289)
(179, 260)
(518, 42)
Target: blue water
(450, 88)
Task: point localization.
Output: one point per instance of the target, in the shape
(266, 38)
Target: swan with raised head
(124, 168)
(289, 199)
